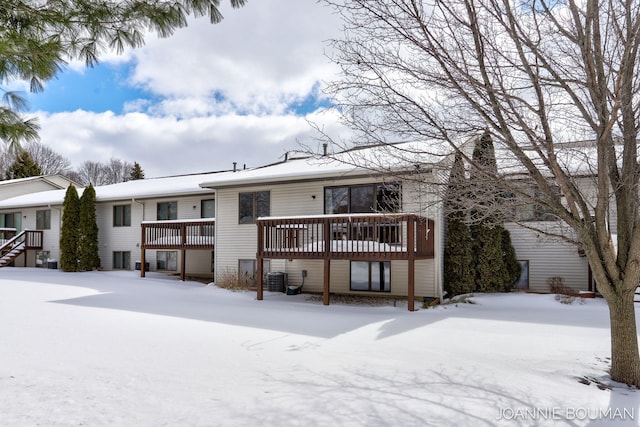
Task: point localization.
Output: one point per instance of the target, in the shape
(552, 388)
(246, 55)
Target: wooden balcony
(181, 235)
(366, 237)
(185, 234)
(353, 237)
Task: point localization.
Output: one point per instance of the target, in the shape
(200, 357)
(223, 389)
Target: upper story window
(122, 216)
(43, 219)
(253, 205)
(368, 198)
(208, 208)
(526, 209)
(167, 211)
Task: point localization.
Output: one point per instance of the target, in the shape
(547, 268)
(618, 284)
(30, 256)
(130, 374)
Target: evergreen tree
(69, 231)
(23, 166)
(511, 263)
(458, 256)
(486, 229)
(88, 243)
(136, 172)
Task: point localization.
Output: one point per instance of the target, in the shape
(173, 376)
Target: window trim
(123, 218)
(121, 256)
(255, 214)
(376, 186)
(386, 266)
(158, 204)
(46, 219)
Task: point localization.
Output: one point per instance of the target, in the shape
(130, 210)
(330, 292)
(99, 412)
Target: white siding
(548, 258)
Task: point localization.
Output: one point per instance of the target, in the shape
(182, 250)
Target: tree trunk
(625, 359)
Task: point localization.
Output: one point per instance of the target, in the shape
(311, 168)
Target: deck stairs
(11, 249)
(11, 254)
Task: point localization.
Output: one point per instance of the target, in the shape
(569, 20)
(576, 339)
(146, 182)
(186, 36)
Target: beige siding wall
(50, 238)
(548, 258)
(240, 240)
(18, 189)
(118, 239)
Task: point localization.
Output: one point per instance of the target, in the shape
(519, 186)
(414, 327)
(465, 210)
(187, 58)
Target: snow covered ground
(111, 348)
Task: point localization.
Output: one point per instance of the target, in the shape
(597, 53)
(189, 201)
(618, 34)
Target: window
(122, 216)
(253, 205)
(167, 260)
(372, 276)
(362, 198)
(167, 211)
(122, 260)
(42, 257)
(208, 208)
(526, 208)
(11, 220)
(248, 270)
(43, 219)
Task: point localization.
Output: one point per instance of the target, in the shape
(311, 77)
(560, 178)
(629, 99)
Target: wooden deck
(371, 237)
(178, 235)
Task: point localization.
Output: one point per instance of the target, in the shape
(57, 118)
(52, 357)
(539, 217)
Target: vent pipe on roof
(286, 156)
(235, 166)
(324, 149)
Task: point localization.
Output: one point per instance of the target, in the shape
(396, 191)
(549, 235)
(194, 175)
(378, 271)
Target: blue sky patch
(98, 89)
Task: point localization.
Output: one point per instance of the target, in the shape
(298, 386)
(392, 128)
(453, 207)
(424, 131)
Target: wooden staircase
(19, 244)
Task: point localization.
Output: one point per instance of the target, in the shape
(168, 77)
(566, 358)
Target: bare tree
(116, 170)
(538, 74)
(91, 173)
(50, 162)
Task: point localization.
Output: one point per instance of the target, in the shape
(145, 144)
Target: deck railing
(387, 236)
(179, 234)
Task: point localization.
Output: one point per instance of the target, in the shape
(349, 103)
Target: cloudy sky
(240, 91)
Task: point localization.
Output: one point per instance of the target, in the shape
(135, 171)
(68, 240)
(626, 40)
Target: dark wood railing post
(326, 288)
(411, 263)
(259, 273)
(142, 250)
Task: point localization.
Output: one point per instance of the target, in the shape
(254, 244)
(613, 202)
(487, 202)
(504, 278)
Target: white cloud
(221, 93)
(258, 59)
(168, 146)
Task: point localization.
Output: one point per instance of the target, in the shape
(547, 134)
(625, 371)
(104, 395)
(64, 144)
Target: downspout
(59, 227)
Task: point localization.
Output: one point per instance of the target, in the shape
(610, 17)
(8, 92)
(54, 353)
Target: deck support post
(327, 281)
(411, 273)
(259, 267)
(260, 284)
(142, 250)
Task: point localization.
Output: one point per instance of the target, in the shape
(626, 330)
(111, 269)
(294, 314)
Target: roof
(137, 189)
(57, 180)
(370, 160)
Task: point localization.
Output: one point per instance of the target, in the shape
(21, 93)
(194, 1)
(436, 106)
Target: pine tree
(23, 166)
(458, 256)
(88, 243)
(136, 172)
(69, 232)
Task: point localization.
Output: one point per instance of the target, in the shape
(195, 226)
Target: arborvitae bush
(458, 259)
(88, 244)
(458, 256)
(69, 232)
(487, 250)
(511, 263)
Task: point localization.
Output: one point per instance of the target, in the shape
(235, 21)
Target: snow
(111, 348)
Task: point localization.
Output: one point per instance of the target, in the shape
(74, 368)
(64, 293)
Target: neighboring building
(121, 209)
